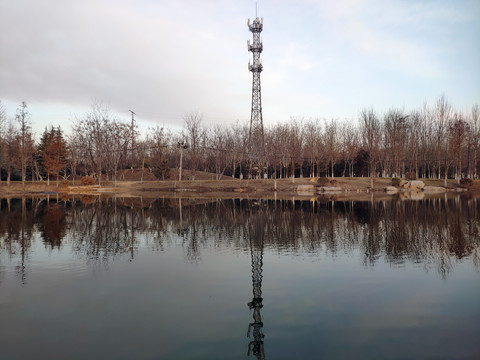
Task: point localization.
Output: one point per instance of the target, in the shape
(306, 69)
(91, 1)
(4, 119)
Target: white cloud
(166, 58)
(376, 31)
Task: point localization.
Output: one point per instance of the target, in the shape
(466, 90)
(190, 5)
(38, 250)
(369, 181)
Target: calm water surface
(190, 279)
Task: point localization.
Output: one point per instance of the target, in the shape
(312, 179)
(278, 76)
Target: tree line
(434, 141)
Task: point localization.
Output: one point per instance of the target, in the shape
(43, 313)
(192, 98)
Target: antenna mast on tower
(256, 139)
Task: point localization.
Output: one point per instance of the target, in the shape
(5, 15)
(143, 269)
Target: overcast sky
(163, 59)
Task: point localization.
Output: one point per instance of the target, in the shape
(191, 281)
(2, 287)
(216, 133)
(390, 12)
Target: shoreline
(300, 188)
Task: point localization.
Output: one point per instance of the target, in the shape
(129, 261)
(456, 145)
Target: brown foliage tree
(54, 157)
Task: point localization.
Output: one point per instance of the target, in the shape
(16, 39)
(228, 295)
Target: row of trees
(22, 157)
(431, 142)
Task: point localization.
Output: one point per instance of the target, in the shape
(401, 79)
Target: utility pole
(132, 130)
(181, 146)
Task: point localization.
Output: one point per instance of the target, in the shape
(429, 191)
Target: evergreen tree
(55, 153)
(40, 153)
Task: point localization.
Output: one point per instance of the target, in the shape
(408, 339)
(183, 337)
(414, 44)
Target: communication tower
(256, 139)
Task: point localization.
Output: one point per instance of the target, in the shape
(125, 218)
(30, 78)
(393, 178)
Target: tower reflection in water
(256, 231)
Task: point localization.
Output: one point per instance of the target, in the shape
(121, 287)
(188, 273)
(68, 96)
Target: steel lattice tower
(256, 139)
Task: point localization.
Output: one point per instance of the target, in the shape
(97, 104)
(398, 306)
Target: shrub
(65, 183)
(326, 181)
(87, 180)
(411, 175)
(323, 181)
(395, 181)
(466, 182)
(162, 170)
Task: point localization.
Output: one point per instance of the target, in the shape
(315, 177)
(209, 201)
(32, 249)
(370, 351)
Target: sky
(165, 59)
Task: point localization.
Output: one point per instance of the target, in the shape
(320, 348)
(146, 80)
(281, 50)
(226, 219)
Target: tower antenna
(256, 139)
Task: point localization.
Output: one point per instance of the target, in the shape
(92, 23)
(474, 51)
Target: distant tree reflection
(434, 232)
(16, 229)
(104, 229)
(52, 224)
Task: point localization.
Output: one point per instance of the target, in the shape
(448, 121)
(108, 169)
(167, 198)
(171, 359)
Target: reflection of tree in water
(16, 229)
(105, 229)
(52, 223)
(436, 232)
(188, 232)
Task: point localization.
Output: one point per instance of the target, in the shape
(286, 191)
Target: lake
(135, 278)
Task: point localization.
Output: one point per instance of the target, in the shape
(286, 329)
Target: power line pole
(132, 130)
(181, 146)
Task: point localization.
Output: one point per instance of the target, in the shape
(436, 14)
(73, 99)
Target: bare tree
(91, 133)
(311, 137)
(194, 132)
(457, 132)
(371, 136)
(237, 142)
(475, 138)
(395, 141)
(158, 142)
(443, 114)
(331, 144)
(142, 151)
(11, 149)
(295, 142)
(240, 134)
(427, 141)
(73, 154)
(350, 145)
(221, 140)
(414, 140)
(278, 147)
(118, 136)
(134, 158)
(3, 127)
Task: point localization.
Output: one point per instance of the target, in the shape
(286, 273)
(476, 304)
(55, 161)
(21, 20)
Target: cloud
(163, 59)
(154, 56)
(406, 36)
